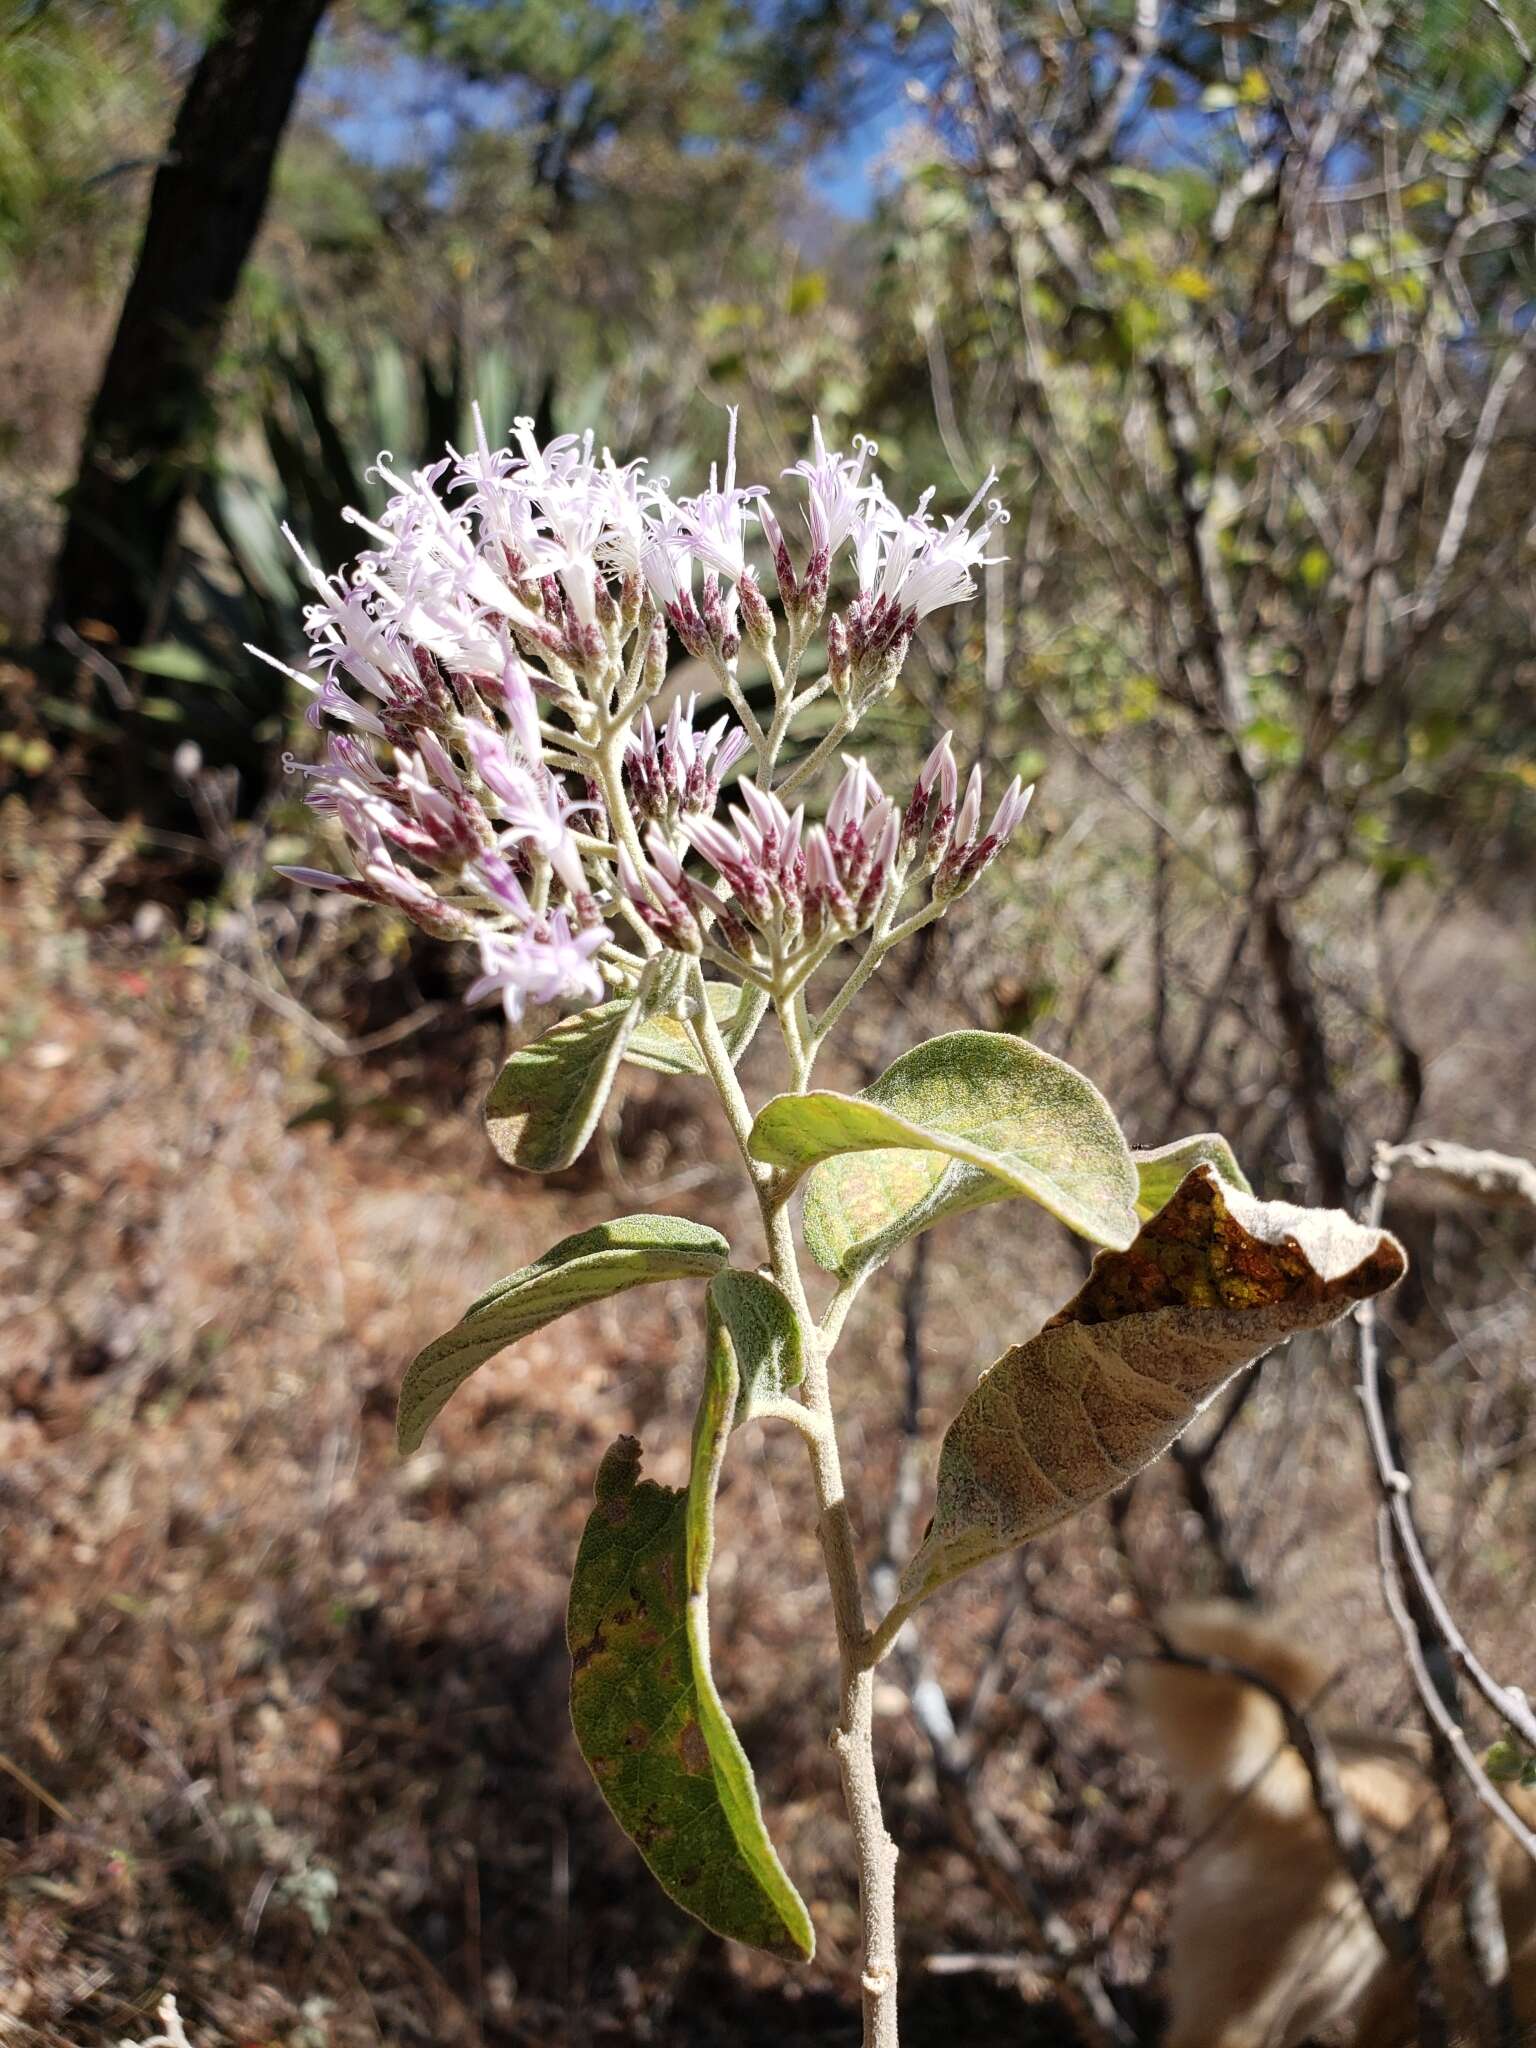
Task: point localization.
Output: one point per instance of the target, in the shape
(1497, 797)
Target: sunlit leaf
(548, 1097)
(647, 1715)
(664, 1044)
(966, 1119)
(1213, 1281)
(628, 1252)
(1161, 1170)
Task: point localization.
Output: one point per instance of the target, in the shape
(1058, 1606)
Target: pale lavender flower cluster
(789, 887)
(493, 659)
(676, 772)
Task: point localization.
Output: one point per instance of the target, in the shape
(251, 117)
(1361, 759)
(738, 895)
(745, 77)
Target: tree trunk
(148, 434)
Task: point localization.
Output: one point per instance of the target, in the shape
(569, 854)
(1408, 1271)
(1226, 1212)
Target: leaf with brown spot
(638, 1628)
(1161, 1170)
(1211, 1282)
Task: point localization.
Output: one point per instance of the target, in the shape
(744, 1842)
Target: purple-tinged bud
(712, 609)
(880, 866)
(824, 891)
(981, 856)
(662, 904)
(655, 658)
(813, 584)
(756, 619)
(735, 934)
(970, 810)
(783, 568)
(1012, 808)
(913, 819)
(940, 767)
(839, 664)
(666, 863)
(856, 790)
(597, 809)
(940, 836)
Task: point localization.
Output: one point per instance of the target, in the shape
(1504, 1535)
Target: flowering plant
(510, 768)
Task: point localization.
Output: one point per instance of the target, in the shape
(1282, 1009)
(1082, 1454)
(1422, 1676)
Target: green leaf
(663, 1044)
(1213, 1281)
(629, 1252)
(969, 1118)
(548, 1097)
(764, 1334)
(647, 1715)
(1162, 1169)
(1507, 1763)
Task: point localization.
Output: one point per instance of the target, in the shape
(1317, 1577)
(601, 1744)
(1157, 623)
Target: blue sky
(402, 108)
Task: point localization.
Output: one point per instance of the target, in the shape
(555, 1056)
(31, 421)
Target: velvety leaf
(628, 1252)
(969, 1118)
(764, 1334)
(548, 1097)
(647, 1715)
(1160, 1170)
(663, 1044)
(1214, 1280)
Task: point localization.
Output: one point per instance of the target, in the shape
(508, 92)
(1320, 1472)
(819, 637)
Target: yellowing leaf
(1212, 1281)
(1161, 1171)
(1192, 283)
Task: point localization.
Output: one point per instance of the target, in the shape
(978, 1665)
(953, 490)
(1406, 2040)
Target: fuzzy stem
(821, 752)
(853, 1734)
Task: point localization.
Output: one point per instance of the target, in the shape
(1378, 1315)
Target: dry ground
(282, 1719)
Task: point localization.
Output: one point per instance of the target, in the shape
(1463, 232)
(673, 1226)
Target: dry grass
(282, 1720)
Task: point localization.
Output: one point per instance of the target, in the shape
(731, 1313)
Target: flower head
(486, 671)
(544, 962)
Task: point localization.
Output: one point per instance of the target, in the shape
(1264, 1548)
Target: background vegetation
(1239, 302)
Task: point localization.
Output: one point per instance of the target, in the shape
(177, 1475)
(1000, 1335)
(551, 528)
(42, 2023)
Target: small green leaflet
(969, 1118)
(647, 1715)
(763, 1333)
(628, 1252)
(1213, 1281)
(548, 1097)
(1160, 1171)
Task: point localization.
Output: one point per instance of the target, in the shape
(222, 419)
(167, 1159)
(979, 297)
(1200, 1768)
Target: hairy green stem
(853, 1734)
(869, 960)
(821, 752)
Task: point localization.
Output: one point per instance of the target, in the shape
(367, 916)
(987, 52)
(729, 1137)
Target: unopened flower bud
(839, 669)
(756, 619)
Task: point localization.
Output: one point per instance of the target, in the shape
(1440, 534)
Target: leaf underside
(629, 1252)
(644, 1705)
(1213, 1281)
(545, 1102)
(968, 1118)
